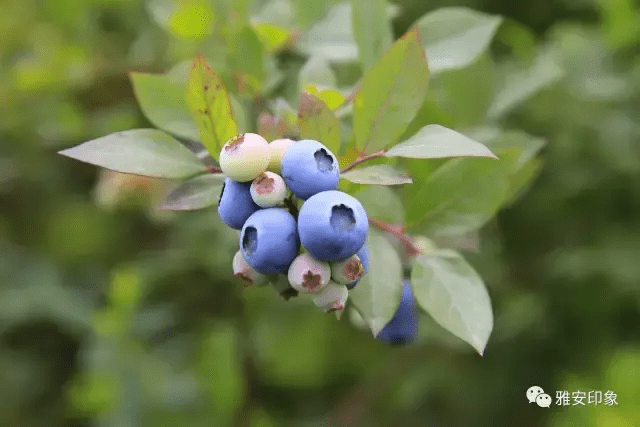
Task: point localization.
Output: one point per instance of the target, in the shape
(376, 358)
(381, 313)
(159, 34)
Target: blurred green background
(113, 314)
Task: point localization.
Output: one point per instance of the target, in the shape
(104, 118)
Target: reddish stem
(398, 233)
(364, 158)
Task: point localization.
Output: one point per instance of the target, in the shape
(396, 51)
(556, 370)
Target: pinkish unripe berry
(332, 298)
(347, 271)
(308, 275)
(244, 272)
(268, 190)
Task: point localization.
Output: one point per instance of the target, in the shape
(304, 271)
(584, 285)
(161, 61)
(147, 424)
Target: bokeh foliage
(115, 314)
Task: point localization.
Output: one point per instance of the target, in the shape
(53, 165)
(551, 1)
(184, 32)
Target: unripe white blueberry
(244, 272)
(244, 157)
(277, 149)
(347, 271)
(308, 275)
(268, 190)
(332, 298)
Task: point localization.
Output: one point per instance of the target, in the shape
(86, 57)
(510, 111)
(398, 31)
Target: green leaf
(332, 98)
(316, 71)
(239, 113)
(148, 152)
(382, 203)
(317, 121)
(522, 179)
(272, 36)
(377, 175)
(521, 84)
(453, 37)
(435, 141)
(391, 94)
(450, 290)
(209, 103)
(285, 112)
(245, 57)
(372, 30)
(523, 148)
(192, 20)
(377, 295)
(307, 12)
(271, 127)
(277, 12)
(430, 112)
(162, 100)
(528, 146)
(332, 37)
(460, 196)
(197, 193)
(459, 93)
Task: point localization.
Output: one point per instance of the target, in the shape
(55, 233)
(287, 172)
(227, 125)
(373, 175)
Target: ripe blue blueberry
(235, 204)
(363, 254)
(308, 167)
(403, 327)
(332, 225)
(269, 240)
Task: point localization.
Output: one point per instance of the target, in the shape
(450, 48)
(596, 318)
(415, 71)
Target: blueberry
(403, 327)
(244, 157)
(244, 272)
(308, 167)
(332, 226)
(332, 297)
(268, 190)
(347, 271)
(277, 148)
(235, 204)
(363, 254)
(269, 240)
(307, 274)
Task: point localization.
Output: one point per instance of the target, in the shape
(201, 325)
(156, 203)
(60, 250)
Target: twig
(349, 99)
(398, 233)
(364, 158)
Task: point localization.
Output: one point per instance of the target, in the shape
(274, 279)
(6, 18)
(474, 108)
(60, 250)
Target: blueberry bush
(420, 174)
(152, 283)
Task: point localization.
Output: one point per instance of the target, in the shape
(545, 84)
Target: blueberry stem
(398, 232)
(290, 203)
(363, 158)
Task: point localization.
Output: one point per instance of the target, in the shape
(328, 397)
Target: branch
(349, 99)
(364, 158)
(398, 233)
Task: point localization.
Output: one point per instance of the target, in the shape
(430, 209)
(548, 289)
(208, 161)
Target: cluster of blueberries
(262, 182)
(331, 226)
